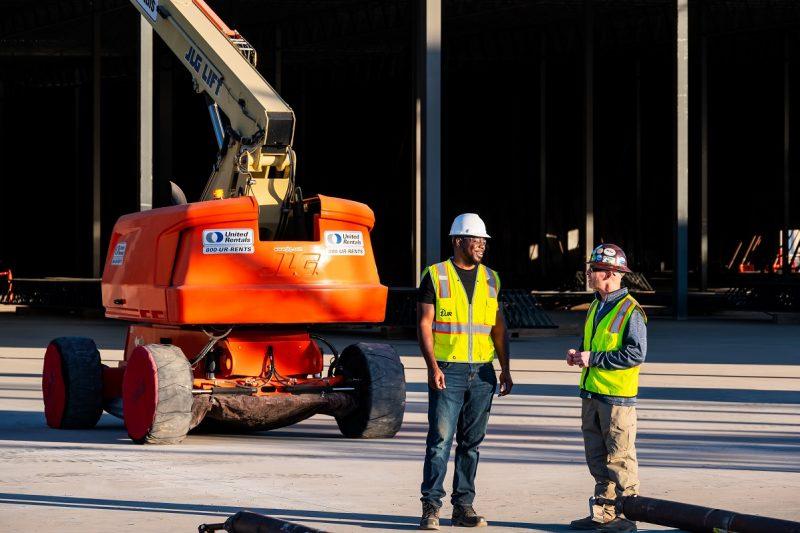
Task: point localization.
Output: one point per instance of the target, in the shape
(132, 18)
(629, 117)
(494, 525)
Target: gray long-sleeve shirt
(632, 352)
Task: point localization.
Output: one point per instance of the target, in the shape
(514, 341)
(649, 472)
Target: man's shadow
(215, 513)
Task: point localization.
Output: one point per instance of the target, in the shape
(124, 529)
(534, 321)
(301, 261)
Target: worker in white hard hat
(461, 330)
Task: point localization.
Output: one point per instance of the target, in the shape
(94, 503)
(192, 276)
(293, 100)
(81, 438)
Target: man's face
(596, 277)
(473, 248)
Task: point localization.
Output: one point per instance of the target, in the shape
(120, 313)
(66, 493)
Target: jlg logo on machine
(210, 74)
(149, 6)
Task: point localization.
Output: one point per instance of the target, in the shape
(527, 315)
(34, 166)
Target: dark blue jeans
(462, 408)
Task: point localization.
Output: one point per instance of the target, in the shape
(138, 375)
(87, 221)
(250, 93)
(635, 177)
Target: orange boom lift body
(220, 292)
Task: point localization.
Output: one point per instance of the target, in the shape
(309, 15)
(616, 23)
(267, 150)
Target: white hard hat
(468, 224)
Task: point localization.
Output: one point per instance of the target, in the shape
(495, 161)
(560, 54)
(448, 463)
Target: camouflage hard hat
(609, 257)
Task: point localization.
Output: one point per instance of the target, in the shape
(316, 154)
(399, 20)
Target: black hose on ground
(702, 519)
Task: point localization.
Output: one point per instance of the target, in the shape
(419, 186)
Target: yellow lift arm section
(256, 157)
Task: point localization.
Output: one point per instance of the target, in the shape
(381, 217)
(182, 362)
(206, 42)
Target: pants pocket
(622, 430)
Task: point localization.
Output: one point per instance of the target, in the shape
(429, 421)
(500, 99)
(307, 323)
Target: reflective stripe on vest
(461, 330)
(623, 309)
(443, 290)
(607, 336)
(490, 279)
(450, 327)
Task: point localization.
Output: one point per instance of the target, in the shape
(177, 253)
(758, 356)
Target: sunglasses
(475, 240)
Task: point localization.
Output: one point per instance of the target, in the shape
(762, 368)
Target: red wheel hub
(54, 390)
(140, 393)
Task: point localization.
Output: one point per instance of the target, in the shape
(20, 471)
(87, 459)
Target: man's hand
(574, 357)
(570, 356)
(505, 383)
(436, 378)
(582, 359)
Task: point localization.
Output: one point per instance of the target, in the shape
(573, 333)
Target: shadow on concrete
(693, 341)
(36, 331)
(739, 450)
(24, 398)
(31, 426)
(658, 393)
(214, 513)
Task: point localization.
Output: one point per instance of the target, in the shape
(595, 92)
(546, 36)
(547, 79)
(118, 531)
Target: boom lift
(220, 292)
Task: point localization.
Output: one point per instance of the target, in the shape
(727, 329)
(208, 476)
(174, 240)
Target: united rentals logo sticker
(344, 242)
(228, 241)
(119, 254)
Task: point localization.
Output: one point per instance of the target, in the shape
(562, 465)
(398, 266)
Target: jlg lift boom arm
(256, 156)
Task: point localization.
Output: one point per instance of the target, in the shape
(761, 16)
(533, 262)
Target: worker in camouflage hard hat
(461, 330)
(611, 353)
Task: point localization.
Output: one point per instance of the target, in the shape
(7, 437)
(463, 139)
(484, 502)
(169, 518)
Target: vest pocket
(490, 319)
(483, 348)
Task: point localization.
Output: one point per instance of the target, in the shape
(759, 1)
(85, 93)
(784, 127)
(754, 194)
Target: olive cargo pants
(609, 435)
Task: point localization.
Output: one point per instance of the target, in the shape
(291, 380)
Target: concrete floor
(719, 426)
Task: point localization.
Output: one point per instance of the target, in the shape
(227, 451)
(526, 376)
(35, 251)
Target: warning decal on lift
(344, 243)
(228, 241)
(119, 254)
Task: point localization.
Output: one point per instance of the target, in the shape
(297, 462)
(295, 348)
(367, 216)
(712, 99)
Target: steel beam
(145, 115)
(427, 157)
(588, 141)
(680, 287)
(97, 252)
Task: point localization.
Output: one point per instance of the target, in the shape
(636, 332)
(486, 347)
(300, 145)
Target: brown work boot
(430, 516)
(619, 524)
(585, 524)
(465, 516)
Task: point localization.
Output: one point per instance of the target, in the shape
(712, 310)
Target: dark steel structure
(663, 125)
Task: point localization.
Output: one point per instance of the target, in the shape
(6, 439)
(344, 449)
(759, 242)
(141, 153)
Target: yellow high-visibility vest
(608, 337)
(461, 330)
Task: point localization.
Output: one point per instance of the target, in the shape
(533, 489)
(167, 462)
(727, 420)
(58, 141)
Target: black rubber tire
(173, 416)
(381, 391)
(83, 382)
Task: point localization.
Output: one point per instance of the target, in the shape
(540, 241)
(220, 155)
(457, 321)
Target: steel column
(145, 115)
(786, 145)
(278, 60)
(543, 252)
(164, 170)
(79, 192)
(703, 163)
(639, 247)
(588, 153)
(680, 287)
(427, 156)
(97, 253)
